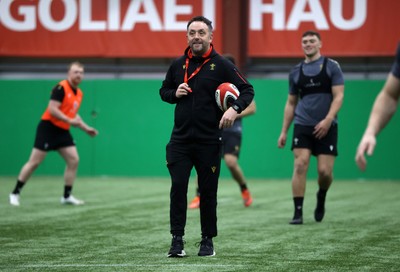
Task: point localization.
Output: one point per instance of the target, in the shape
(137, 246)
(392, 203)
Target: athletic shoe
(176, 249)
(14, 199)
(297, 220)
(206, 247)
(320, 209)
(71, 200)
(247, 199)
(195, 203)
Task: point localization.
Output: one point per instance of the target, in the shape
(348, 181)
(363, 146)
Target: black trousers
(206, 159)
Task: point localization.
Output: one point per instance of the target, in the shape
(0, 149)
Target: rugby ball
(225, 95)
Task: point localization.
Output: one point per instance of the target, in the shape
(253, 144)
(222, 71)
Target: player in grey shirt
(316, 90)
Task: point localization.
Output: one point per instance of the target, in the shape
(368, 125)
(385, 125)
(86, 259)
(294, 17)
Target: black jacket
(197, 115)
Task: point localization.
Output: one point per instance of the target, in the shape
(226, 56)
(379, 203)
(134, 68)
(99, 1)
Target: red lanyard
(186, 79)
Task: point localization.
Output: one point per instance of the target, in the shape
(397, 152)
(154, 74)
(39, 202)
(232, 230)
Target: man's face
(311, 45)
(199, 38)
(75, 74)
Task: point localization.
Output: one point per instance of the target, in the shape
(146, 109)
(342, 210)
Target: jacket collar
(206, 55)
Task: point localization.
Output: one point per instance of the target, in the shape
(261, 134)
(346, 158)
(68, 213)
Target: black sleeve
(168, 88)
(239, 80)
(57, 93)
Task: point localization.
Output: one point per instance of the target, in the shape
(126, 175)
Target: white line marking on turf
(119, 265)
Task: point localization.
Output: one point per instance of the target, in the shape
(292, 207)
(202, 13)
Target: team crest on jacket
(213, 168)
(212, 66)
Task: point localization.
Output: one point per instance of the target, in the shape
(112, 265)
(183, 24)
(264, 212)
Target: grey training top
(308, 111)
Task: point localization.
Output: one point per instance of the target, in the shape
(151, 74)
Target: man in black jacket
(190, 83)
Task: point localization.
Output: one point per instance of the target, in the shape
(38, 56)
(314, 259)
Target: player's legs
(232, 163)
(325, 178)
(301, 163)
(195, 203)
(38, 153)
(325, 171)
(231, 148)
(326, 152)
(302, 145)
(71, 157)
(35, 159)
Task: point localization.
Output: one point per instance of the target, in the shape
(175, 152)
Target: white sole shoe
(71, 200)
(14, 199)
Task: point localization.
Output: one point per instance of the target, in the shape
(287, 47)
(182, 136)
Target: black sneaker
(320, 209)
(297, 220)
(176, 249)
(206, 247)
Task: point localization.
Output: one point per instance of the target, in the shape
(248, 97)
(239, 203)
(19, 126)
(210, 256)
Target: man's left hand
(228, 118)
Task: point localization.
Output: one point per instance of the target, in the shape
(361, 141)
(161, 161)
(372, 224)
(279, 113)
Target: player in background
(53, 134)
(232, 140)
(190, 84)
(316, 91)
(384, 107)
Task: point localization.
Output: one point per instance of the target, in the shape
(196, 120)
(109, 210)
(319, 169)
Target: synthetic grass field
(124, 226)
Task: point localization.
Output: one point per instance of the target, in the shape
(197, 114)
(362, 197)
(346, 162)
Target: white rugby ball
(225, 95)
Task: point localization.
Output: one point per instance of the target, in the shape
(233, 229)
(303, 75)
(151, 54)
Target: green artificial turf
(124, 226)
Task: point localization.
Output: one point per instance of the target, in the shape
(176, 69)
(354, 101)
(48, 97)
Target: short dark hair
(200, 19)
(311, 33)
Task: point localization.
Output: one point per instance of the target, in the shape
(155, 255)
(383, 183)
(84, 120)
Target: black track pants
(181, 157)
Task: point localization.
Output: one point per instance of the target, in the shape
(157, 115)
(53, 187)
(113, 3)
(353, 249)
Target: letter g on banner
(43, 9)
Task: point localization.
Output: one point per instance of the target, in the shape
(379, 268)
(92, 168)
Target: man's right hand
(183, 89)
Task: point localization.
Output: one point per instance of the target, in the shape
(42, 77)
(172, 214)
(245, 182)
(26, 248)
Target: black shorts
(303, 138)
(232, 142)
(50, 137)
